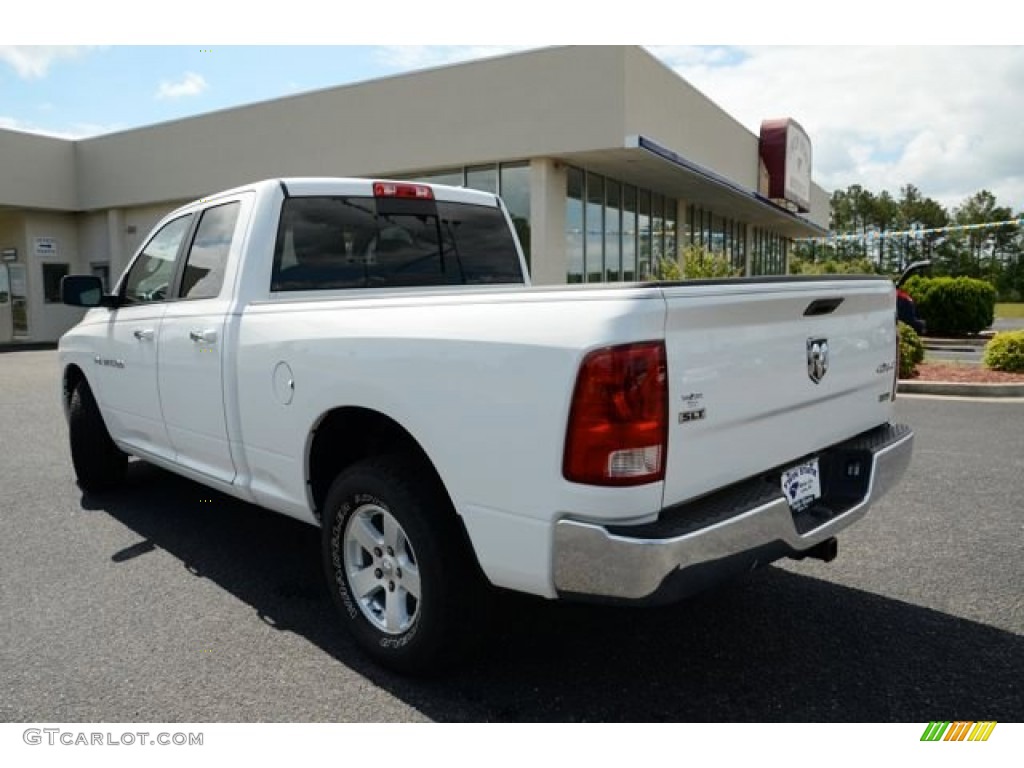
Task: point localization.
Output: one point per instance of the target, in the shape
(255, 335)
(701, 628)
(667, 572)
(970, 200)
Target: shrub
(666, 269)
(1005, 352)
(953, 305)
(911, 351)
(700, 264)
(798, 266)
(696, 263)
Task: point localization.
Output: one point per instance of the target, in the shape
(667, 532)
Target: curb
(959, 389)
(941, 343)
(27, 346)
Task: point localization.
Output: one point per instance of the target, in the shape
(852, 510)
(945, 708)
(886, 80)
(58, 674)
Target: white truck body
(231, 390)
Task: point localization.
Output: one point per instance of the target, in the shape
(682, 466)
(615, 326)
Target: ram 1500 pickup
(369, 357)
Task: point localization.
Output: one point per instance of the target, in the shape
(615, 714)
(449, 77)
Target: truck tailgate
(764, 373)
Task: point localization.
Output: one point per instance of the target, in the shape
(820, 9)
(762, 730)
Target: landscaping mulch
(965, 374)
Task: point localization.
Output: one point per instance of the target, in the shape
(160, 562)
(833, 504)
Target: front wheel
(397, 564)
(99, 464)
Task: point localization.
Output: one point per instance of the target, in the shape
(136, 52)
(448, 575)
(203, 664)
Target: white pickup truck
(369, 357)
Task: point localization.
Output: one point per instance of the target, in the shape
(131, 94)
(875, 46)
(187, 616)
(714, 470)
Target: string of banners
(916, 233)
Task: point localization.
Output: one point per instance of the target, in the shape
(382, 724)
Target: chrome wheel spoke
(410, 580)
(393, 533)
(364, 533)
(395, 614)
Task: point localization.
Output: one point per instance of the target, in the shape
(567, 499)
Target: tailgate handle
(822, 307)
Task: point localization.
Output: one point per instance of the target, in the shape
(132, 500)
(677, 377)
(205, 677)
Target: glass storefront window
(613, 231)
(574, 225)
(483, 177)
(621, 236)
(453, 177)
(643, 226)
(514, 188)
(671, 241)
(594, 220)
(629, 233)
(657, 228)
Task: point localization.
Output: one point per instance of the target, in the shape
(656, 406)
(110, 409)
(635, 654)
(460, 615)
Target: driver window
(150, 277)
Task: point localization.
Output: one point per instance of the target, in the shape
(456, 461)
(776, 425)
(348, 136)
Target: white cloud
(33, 61)
(946, 119)
(190, 84)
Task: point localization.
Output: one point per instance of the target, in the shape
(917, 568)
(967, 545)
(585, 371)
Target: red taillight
(396, 189)
(618, 421)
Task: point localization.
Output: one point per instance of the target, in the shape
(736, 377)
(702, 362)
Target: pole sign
(786, 153)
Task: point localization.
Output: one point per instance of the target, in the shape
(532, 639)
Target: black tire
(427, 631)
(99, 464)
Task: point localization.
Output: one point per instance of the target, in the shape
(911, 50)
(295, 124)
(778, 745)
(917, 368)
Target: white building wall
(550, 265)
(665, 108)
(532, 105)
(36, 171)
(47, 321)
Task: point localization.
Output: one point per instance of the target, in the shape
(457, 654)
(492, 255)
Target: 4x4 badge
(817, 359)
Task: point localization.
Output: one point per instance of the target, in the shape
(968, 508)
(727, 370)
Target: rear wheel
(397, 564)
(99, 464)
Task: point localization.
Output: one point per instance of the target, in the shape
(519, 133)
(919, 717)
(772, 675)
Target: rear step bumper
(694, 545)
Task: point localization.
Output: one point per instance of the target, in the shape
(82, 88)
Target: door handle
(143, 334)
(200, 336)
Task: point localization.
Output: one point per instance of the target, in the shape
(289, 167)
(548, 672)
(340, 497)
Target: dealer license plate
(802, 485)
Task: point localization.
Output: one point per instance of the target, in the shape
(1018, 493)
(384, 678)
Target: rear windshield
(367, 242)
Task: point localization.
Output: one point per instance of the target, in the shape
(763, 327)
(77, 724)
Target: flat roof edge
(666, 154)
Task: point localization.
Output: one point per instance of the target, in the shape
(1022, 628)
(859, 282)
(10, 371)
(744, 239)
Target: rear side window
(208, 256)
(366, 242)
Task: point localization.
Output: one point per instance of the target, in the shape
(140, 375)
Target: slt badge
(817, 359)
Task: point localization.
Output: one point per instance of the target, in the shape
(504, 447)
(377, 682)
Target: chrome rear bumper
(749, 524)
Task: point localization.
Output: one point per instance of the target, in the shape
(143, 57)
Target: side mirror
(84, 291)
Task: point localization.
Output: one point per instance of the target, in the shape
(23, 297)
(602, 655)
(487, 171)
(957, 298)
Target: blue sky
(945, 118)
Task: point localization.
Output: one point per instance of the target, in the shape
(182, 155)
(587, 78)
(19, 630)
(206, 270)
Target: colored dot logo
(206, 50)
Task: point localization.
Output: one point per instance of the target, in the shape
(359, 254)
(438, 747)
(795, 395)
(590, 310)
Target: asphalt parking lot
(167, 602)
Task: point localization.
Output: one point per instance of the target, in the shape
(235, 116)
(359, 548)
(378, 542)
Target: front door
(125, 363)
(19, 300)
(6, 321)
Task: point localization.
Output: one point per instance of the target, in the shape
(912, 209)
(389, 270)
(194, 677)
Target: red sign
(786, 153)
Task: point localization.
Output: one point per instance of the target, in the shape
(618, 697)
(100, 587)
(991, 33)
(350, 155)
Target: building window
(483, 177)
(593, 222)
(612, 231)
(615, 231)
(514, 188)
(52, 273)
(101, 269)
(453, 177)
(769, 253)
(628, 233)
(574, 225)
(718, 234)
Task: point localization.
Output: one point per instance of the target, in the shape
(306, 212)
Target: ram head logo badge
(817, 359)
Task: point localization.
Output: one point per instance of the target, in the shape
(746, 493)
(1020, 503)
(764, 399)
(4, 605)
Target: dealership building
(607, 160)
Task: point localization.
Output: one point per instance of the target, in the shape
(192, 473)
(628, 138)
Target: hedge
(911, 351)
(1005, 352)
(953, 305)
